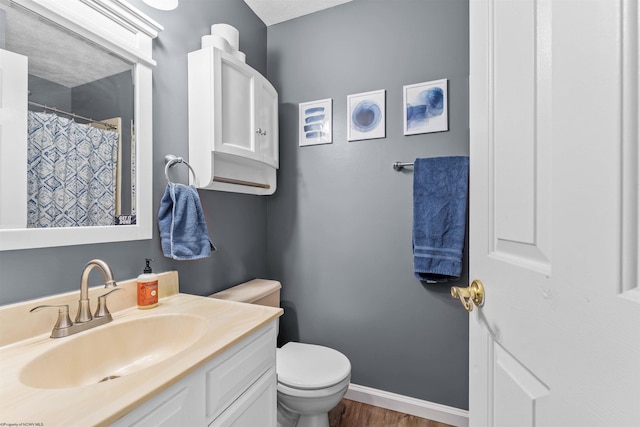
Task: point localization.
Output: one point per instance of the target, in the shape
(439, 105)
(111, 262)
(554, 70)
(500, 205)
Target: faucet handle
(64, 321)
(102, 309)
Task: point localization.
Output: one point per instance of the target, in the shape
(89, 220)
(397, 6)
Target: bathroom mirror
(75, 133)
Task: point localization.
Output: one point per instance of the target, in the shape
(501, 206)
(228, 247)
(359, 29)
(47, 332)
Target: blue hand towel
(440, 186)
(183, 230)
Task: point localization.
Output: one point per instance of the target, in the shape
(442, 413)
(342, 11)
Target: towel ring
(171, 160)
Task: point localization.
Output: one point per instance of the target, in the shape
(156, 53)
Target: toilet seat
(310, 367)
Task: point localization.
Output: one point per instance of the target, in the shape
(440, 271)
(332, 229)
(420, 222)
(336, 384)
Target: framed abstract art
(315, 125)
(366, 115)
(426, 107)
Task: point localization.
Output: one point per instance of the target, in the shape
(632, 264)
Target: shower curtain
(71, 173)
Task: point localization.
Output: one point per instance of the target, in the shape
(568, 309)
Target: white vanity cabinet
(237, 388)
(233, 124)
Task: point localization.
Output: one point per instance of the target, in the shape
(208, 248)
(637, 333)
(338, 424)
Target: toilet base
(305, 410)
(318, 420)
(287, 418)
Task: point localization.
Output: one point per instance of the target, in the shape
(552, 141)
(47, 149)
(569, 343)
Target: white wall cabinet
(237, 388)
(233, 124)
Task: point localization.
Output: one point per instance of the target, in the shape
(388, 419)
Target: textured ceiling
(63, 58)
(275, 11)
(56, 54)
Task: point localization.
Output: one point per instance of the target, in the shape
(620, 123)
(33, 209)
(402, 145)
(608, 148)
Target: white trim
(408, 405)
(630, 155)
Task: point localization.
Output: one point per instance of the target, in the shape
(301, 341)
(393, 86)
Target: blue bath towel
(183, 230)
(440, 186)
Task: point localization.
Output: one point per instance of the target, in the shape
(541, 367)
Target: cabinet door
(236, 370)
(236, 112)
(268, 122)
(256, 407)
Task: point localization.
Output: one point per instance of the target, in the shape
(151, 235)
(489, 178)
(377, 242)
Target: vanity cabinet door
(256, 407)
(235, 371)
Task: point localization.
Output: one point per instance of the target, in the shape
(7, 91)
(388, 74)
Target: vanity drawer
(175, 406)
(238, 370)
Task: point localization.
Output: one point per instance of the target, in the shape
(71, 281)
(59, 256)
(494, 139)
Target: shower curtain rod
(77, 116)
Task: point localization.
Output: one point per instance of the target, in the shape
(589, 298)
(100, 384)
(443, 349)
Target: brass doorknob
(473, 293)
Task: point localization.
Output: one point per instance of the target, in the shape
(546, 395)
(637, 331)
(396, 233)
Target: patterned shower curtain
(71, 173)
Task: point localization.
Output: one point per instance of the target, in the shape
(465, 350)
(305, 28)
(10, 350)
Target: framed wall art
(426, 107)
(315, 125)
(366, 115)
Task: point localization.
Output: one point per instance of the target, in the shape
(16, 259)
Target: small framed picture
(315, 122)
(366, 118)
(425, 107)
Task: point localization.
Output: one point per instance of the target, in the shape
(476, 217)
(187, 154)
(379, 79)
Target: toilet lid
(308, 366)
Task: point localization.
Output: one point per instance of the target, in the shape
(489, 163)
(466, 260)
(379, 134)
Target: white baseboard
(408, 405)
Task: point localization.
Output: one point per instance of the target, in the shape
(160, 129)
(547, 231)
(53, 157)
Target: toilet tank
(257, 291)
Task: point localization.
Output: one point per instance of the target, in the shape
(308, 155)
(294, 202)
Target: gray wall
(340, 223)
(237, 222)
(45, 92)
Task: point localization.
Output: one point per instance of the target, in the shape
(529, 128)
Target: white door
(554, 213)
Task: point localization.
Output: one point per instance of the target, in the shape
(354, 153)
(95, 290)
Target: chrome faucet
(84, 320)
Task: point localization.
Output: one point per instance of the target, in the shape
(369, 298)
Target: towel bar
(398, 166)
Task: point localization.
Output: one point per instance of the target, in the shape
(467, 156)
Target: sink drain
(109, 378)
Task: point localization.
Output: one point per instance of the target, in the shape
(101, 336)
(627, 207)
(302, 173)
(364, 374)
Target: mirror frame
(128, 33)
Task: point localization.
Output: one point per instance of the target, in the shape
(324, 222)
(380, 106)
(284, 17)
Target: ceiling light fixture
(162, 4)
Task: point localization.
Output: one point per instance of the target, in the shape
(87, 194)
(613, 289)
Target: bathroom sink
(112, 351)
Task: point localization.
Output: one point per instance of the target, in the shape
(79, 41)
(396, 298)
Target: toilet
(312, 379)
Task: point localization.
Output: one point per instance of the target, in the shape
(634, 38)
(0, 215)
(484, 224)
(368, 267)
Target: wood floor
(349, 413)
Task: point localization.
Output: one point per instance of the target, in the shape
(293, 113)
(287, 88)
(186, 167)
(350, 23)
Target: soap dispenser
(147, 288)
